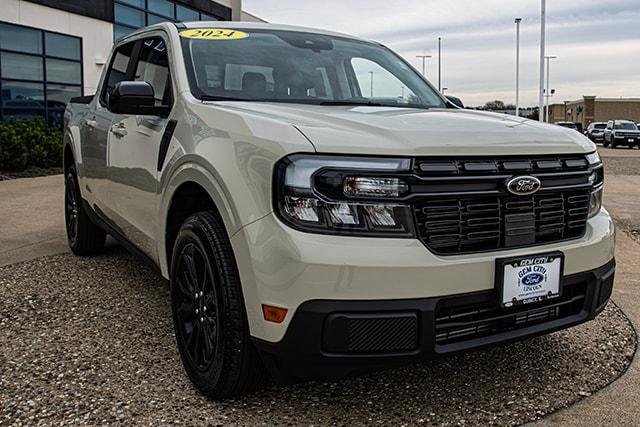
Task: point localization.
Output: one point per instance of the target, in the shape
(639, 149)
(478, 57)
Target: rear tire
(209, 315)
(84, 237)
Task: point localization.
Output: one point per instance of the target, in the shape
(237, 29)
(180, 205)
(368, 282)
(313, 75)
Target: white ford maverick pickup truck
(320, 210)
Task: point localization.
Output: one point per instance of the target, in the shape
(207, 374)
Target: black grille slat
(457, 323)
(478, 221)
(494, 219)
(474, 221)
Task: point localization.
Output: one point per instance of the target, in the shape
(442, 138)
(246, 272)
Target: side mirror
(131, 98)
(455, 101)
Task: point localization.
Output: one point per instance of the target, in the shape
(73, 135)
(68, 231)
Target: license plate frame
(552, 264)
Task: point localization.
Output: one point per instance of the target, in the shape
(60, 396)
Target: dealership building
(53, 50)
(591, 109)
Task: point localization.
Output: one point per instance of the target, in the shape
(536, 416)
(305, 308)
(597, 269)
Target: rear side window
(153, 68)
(118, 70)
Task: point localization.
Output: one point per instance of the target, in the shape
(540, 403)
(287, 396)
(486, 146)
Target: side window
(153, 68)
(377, 82)
(117, 71)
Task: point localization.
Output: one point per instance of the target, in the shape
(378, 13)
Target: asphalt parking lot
(90, 341)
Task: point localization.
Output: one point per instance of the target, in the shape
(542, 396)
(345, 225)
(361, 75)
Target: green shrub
(29, 143)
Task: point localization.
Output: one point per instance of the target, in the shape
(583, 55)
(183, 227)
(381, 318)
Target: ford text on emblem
(523, 185)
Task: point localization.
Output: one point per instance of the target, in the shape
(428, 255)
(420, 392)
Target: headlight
(596, 179)
(344, 195)
(596, 203)
(593, 158)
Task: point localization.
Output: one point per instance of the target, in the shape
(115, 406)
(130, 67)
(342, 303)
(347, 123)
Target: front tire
(84, 237)
(209, 315)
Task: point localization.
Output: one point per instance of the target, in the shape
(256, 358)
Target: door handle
(119, 130)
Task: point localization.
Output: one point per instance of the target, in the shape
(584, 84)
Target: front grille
(458, 323)
(462, 206)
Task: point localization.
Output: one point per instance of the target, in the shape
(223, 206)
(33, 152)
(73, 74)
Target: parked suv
(320, 209)
(621, 132)
(595, 131)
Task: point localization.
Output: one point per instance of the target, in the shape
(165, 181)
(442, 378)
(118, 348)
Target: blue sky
(597, 42)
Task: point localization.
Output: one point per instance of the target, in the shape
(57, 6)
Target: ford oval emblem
(523, 185)
(532, 279)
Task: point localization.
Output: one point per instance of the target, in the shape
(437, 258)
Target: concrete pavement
(31, 218)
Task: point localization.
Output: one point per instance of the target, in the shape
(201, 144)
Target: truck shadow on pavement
(91, 340)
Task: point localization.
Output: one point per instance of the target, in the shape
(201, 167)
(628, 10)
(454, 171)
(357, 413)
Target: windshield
(625, 126)
(296, 67)
(600, 126)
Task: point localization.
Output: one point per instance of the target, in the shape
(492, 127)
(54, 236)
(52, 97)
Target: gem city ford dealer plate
(530, 279)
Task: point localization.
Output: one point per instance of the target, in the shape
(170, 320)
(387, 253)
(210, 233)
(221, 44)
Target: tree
(494, 105)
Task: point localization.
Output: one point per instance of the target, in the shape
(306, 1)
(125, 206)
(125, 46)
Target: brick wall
(611, 109)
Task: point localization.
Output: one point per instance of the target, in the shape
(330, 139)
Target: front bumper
(283, 267)
(626, 140)
(331, 339)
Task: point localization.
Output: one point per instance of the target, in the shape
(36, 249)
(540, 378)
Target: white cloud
(598, 43)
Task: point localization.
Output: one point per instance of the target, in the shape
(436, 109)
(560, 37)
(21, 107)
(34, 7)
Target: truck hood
(410, 131)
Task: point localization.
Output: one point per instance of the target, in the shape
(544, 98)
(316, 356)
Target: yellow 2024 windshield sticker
(213, 34)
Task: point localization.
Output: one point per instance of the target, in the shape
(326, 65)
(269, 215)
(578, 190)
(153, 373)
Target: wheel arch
(192, 189)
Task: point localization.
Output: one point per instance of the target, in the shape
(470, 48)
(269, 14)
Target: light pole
(548, 90)
(424, 63)
(371, 73)
(543, 21)
(518, 21)
(439, 64)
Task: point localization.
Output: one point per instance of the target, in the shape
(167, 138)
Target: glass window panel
(161, 7)
(20, 39)
(63, 71)
(129, 16)
(59, 95)
(62, 46)
(138, 3)
(18, 94)
(375, 81)
(206, 17)
(118, 69)
(154, 19)
(153, 68)
(186, 14)
(24, 67)
(120, 31)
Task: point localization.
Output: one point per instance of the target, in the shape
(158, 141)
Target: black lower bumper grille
(464, 323)
(486, 223)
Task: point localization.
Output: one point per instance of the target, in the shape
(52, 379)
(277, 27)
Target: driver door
(134, 144)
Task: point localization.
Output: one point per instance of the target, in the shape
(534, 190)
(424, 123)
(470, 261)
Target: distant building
(591, 109)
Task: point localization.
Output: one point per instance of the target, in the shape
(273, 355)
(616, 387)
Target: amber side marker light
(274, 314)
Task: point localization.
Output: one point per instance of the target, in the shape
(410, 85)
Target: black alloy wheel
(209, 315)
(197, 308)
(71, 209)
(84, 237)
